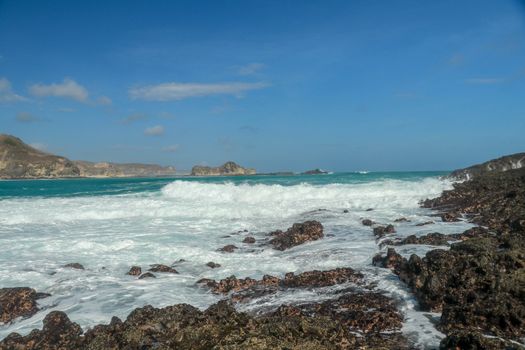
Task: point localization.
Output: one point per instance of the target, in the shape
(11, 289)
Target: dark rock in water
(425, 223)
(228, 248)
(367, 222)
(76, 266)
(346, 211)
(403, 219)
(228, 168)
(434, 238)
(380, 231)
(333, 326)
(213, 265)
(249, 240)
(315, 172)
(18, 302)
(147, 275)
(299, 233)
(369, 209)
(269, 284)
(392, 261)
(450, 217)
(162, 268)
(134, 271)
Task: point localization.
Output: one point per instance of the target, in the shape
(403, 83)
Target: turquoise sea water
(108, 225)
(116, 186)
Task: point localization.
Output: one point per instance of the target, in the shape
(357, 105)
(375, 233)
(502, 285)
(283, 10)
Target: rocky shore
(475, 279)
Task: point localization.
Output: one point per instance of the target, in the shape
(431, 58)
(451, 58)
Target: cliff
(228, 168)
(21, 161)
(513, 161)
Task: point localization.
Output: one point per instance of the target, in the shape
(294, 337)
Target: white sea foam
(188, 220)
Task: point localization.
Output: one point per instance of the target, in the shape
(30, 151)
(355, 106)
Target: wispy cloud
(7, 94)
(25, 117)
(456, 60)
(156, 130)
(180, 91)
(68, 88)
(250, 69)
(134, 117)
(104, 101)
(484, 81)
(171, 148)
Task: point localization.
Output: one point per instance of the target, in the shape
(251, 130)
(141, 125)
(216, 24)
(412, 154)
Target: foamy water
(189, 220)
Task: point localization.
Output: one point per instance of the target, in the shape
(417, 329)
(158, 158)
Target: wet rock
(222, 327)
(134, 271)
(392, 260)
(369, 209)
(317, 278)
(213, 265)
(162, 268)
(147, 275)
(450, 217)
(346, 211)
(475, 341)
(403, 219)
(58, 333)
(425, 223)
(367, 222)
(434, 238)
(249, 240)
(76, 266)
(18, 302)
(230, 248)
(381, 231)
(298, 234)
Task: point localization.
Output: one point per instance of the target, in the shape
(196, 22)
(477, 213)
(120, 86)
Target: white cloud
(6, 92)
(171, 149)
(484, 81)
(250, 69)
(68, 89)
(25, 117)
(104, 101)
(156, 130)
(180, 91)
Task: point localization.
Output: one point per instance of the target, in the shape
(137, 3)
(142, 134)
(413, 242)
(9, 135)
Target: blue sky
(275, 85)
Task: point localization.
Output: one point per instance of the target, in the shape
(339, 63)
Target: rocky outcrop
(21, 161)
(513, 161)
(162, 268)
(106, 169)
(315, 172)
(299, 233)
(18, 302)
(228, 169)
(355, 321)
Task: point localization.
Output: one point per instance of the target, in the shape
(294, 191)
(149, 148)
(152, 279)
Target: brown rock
(367, 222)
(213, 265)
(18, 302)
(230, 248)
(298, 234)
(147, 275)
(162, 268)
(134, 271)
(249, 240)
(76, 266)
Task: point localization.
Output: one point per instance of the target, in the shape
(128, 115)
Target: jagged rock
(76, 266)
(476, 341)
(315, 172)
(380, 231)
(425, 223)
(249, 240)
(134, 271)
(392, 261)
(450, 217)
(162, 268)
(222, 327)
(18, 302)
(230, 248)
(213, 265)
(403, 219)
(147, 275)
(367, 222)
(298, 234)
(228, 168)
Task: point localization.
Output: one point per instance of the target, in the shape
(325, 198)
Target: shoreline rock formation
(509, 162)
(227, 169)
(19, 160)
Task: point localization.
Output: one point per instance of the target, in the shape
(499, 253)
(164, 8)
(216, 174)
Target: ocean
(108, 225)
